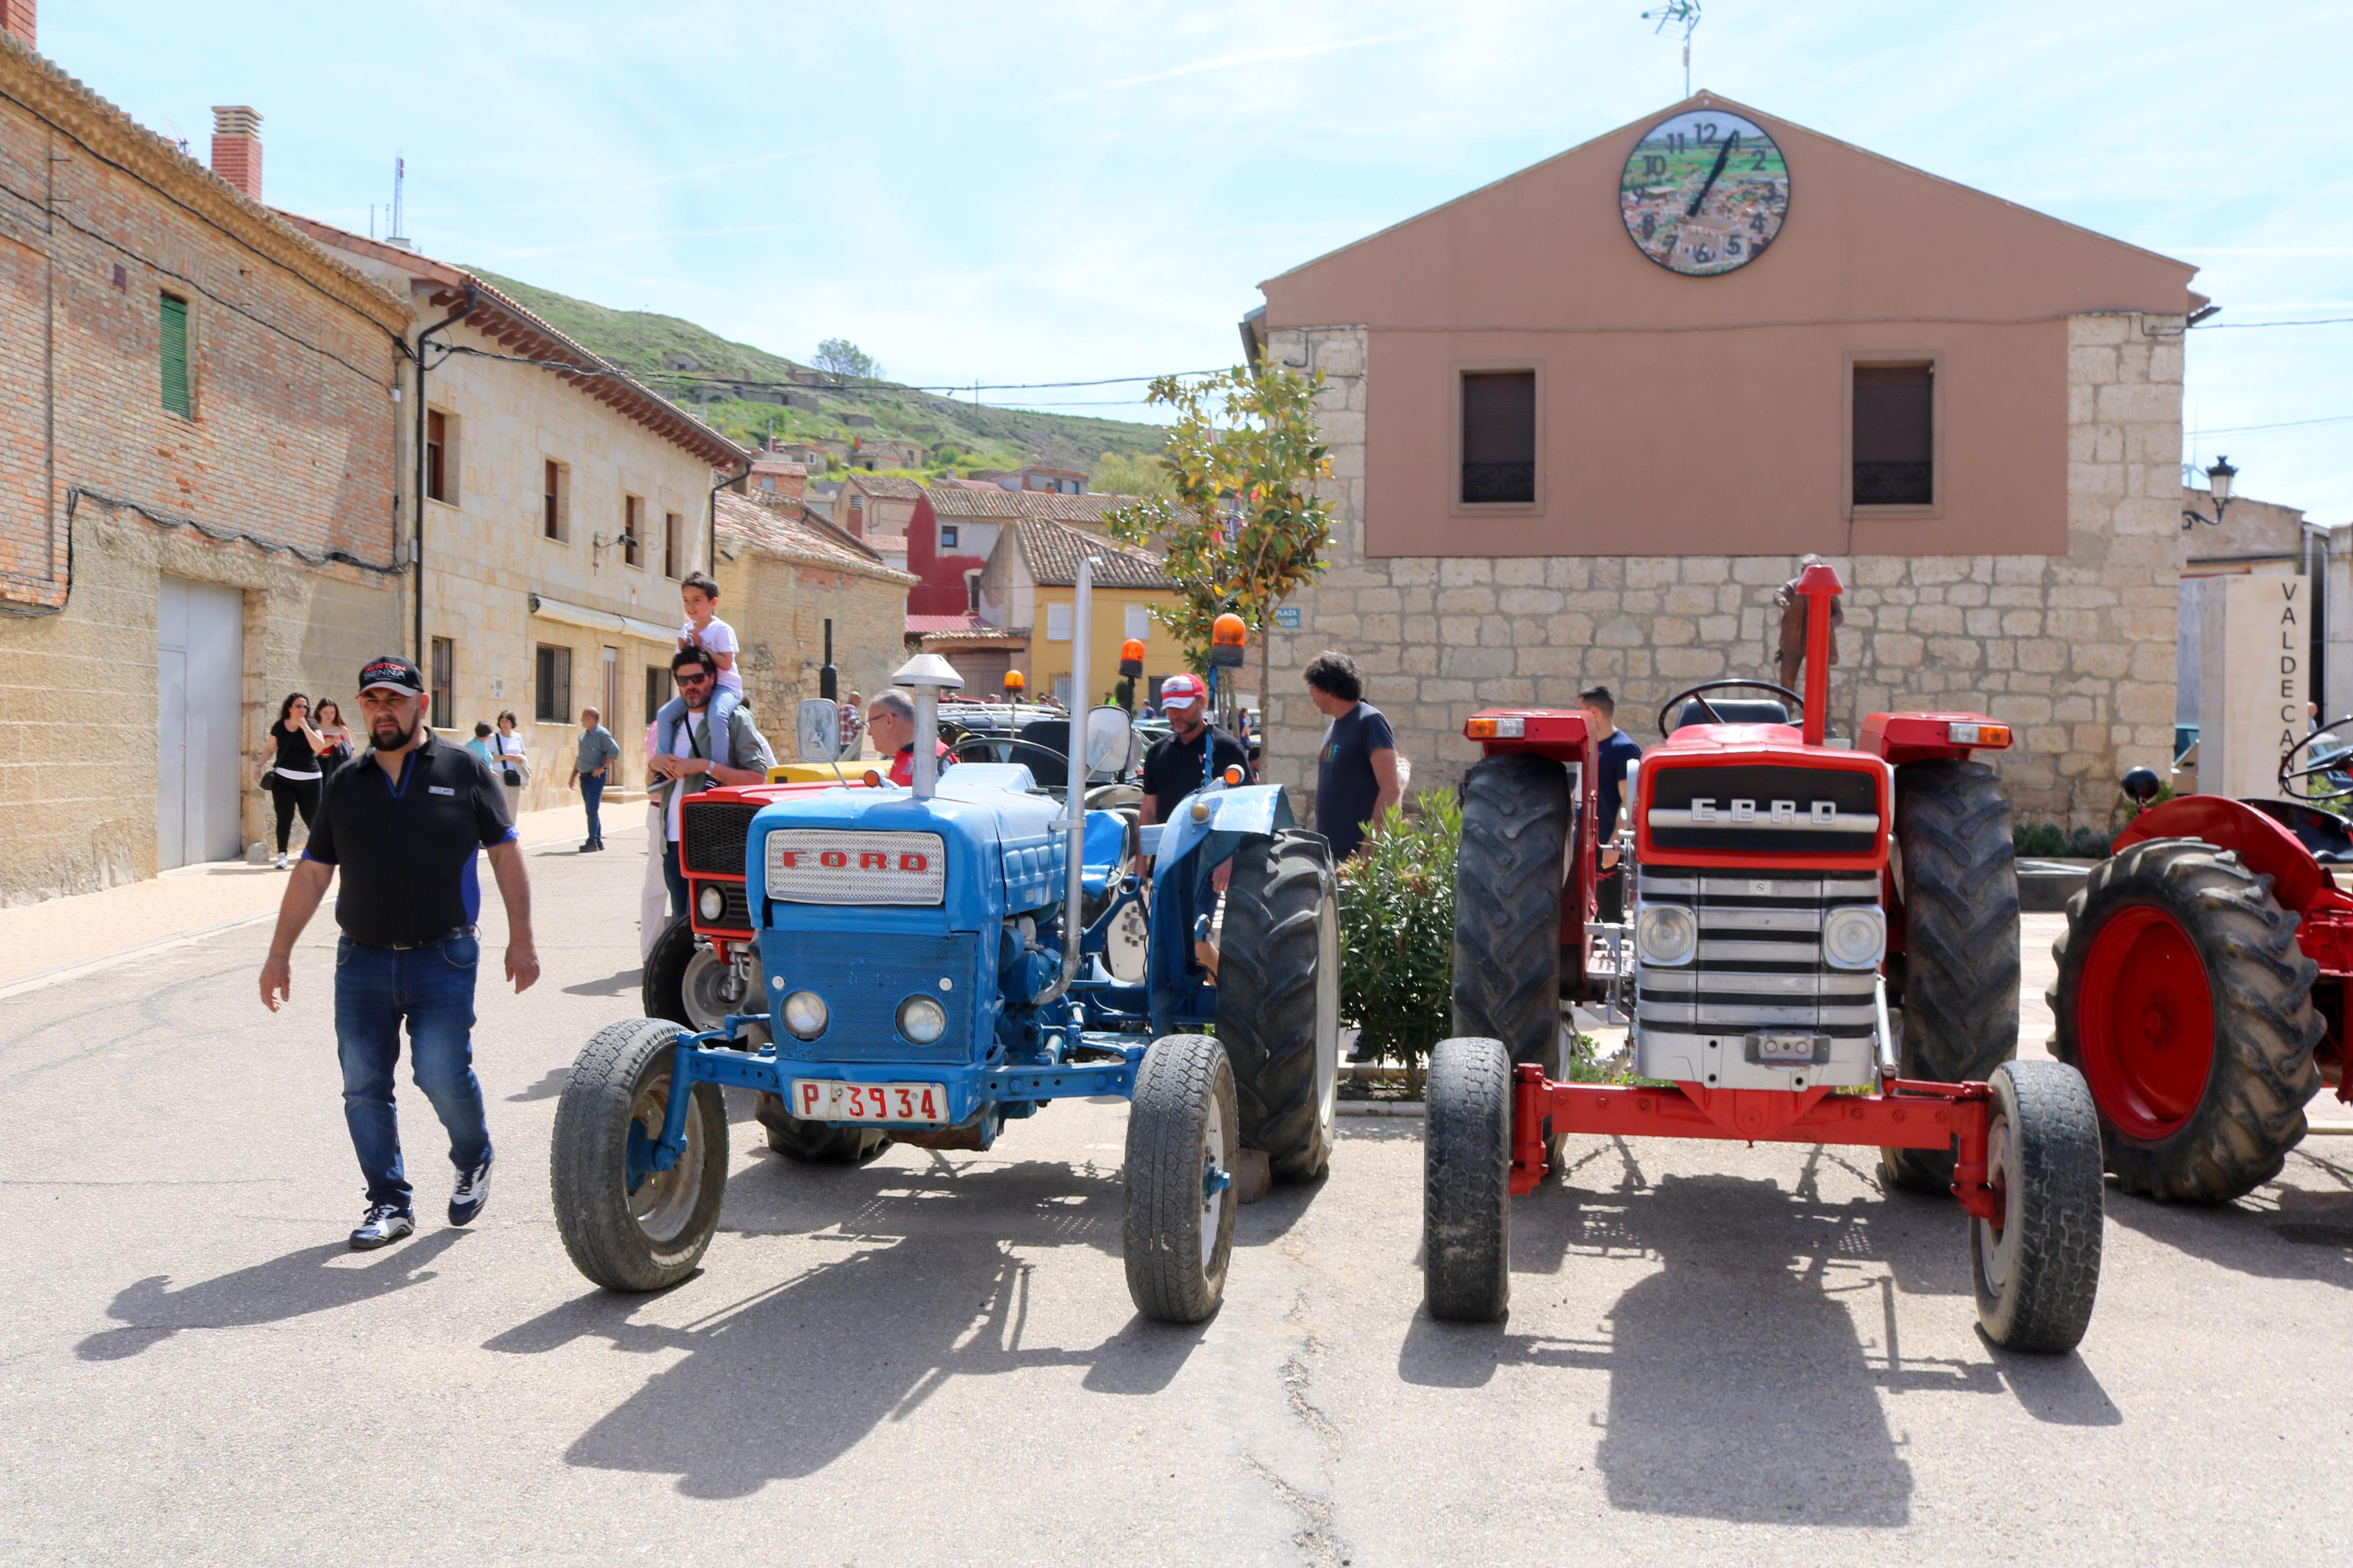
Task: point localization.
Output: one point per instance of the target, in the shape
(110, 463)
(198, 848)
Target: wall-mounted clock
(1705, 192)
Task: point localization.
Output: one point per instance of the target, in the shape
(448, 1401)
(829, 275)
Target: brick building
(562, 501)
(198, 484)
(1575, 440)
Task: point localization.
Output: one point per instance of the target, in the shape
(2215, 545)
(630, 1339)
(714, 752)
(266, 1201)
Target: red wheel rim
(2144, 1020)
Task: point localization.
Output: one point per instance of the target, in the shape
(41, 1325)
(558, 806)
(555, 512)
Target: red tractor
(1824, 948)
(2201, 979)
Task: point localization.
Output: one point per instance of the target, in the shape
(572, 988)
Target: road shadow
(620, 983)
(929, 1285)
(293, 1286)
(1740, 1388)
(550, 1085)
(2298, 1225)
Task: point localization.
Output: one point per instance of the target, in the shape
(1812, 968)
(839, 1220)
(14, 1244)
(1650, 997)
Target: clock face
(1704, 193)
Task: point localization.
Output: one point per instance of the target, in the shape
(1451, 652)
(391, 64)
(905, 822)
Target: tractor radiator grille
(1760, 968)
(711, 837)
(864, 976)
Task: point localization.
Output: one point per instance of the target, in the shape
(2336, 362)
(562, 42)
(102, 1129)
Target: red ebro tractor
(2202, 978)
(1824, 948)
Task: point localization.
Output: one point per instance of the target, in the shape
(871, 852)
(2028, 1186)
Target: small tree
(1396, 932)
(1131, 474)
(839, 356)
(1242, 529)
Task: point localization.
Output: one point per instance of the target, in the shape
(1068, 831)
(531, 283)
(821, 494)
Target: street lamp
(2218, 484)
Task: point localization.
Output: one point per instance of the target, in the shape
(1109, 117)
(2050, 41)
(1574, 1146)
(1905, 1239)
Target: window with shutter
(633, 532)
(555, 683)
(1894, 434)
(1499, 437)
(175, 324)
(444, 682)
(436, 455)
(673, 545)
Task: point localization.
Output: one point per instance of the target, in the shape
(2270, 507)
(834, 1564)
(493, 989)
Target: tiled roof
(885, 487)
(1006, 506)
(799, 538)
(1053, 550)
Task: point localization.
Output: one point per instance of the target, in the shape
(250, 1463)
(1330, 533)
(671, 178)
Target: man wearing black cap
(403, 820)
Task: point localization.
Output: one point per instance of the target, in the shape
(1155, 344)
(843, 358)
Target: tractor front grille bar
(1759, 965)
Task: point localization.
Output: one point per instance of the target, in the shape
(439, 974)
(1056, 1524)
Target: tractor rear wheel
(1177, 1232)
(1955, 1004)
(662, 990)
(1507, 887)
(1279, 999)
(813, 1142)
(2036, 1269)
(629, 1228)
(2183, 999)
(1466, 1182)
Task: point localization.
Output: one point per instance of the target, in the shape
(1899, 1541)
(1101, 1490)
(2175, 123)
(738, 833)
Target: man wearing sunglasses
(689, 758)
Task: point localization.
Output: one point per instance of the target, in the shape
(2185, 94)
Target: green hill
(954, 435)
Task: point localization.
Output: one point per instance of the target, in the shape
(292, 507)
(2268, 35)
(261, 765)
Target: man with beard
(403, 821)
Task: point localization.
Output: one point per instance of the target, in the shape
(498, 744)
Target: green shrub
(2049, 841)
(1396, 932)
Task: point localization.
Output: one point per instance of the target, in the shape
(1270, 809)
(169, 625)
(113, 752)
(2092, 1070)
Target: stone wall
(784, 651)
(2076, 652)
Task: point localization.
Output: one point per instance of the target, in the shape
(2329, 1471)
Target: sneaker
(382, 1225)
(282, 862)
(585, 847)
(473, 1192)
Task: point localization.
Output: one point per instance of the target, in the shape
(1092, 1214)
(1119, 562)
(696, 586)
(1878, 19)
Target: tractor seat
(2321, 832)
(1751, 711)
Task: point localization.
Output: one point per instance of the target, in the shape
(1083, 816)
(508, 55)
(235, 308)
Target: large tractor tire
(1279, 999)
(2036, 1265)
(813, 1142)
(1956, 1005)
(1507, 887)
(634, 1229)
(1177, 1229)
(1466, 1182)
(2186, 1004)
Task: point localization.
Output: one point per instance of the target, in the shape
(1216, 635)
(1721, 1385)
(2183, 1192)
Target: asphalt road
(1714, 1353)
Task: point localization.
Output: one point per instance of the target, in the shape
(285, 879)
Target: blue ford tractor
(942, 959)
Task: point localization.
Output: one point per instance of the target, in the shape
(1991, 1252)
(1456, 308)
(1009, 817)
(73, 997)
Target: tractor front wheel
(813, 1142)
(2184, 1000)
(1466, 1182)
(1956, 1005)
(1279, 999)
(2036, 1266)
(627, 1226)
(1182, 1135)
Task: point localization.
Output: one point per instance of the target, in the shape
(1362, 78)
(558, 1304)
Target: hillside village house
(877, 511)
(1031, 581)
(561, 508)
(1053, 481)
(953, 529)
(800, 574)
(197, 483)
(1584, 421)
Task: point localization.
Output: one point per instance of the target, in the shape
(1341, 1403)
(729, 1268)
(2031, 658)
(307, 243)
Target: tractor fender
(2262, 843)
(1245, 811)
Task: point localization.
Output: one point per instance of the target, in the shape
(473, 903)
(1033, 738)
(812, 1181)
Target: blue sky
(1051, 191)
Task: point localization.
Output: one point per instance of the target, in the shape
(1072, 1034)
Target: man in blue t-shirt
(1357, 771)
(1614, 749)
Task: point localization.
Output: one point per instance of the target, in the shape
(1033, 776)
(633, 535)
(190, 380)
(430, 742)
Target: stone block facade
(2075, 651)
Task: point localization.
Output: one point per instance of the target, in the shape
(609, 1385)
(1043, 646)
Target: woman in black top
(292, 766)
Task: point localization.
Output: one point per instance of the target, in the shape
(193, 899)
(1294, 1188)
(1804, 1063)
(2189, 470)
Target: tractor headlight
(923, 1020)
(805, 1014)
(1855, 937)
(1665, 934)
(711, 903)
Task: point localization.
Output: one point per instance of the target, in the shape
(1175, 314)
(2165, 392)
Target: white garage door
(200, 764)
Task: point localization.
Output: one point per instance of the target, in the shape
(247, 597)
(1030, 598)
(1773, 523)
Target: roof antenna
(1687, 13)
(399, 177)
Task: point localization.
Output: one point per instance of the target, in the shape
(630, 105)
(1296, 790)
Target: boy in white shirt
(705, 630)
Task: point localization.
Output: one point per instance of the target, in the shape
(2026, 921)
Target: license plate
(829, 1100)
(1785, 1049)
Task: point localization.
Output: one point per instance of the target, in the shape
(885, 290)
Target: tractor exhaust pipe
(1074, 812)
(927, 675)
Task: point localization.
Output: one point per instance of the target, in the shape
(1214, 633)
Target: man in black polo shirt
(403, 821)
(1184, 759)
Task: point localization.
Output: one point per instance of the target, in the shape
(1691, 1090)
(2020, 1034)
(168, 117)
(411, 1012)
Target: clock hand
(1721, 158)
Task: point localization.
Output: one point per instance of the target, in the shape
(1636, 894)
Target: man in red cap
(1185, 759)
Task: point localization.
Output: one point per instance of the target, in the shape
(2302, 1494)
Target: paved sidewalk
(65, 935)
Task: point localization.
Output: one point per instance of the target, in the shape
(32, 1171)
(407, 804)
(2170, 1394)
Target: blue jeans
(675, 878)
(433, 989)
(592, 795)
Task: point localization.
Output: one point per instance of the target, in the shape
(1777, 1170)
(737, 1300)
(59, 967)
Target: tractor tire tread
(814, 1143)
(1266, 992)
(1165, 1276)
(1507, 891)
(2056, 1273)
(2265, 1026)
(587, 1152)
(1466, 1224)
(661, 992)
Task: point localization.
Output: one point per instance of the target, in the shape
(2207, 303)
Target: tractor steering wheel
(2330, 762)
(1693, 693)
(957, 750)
